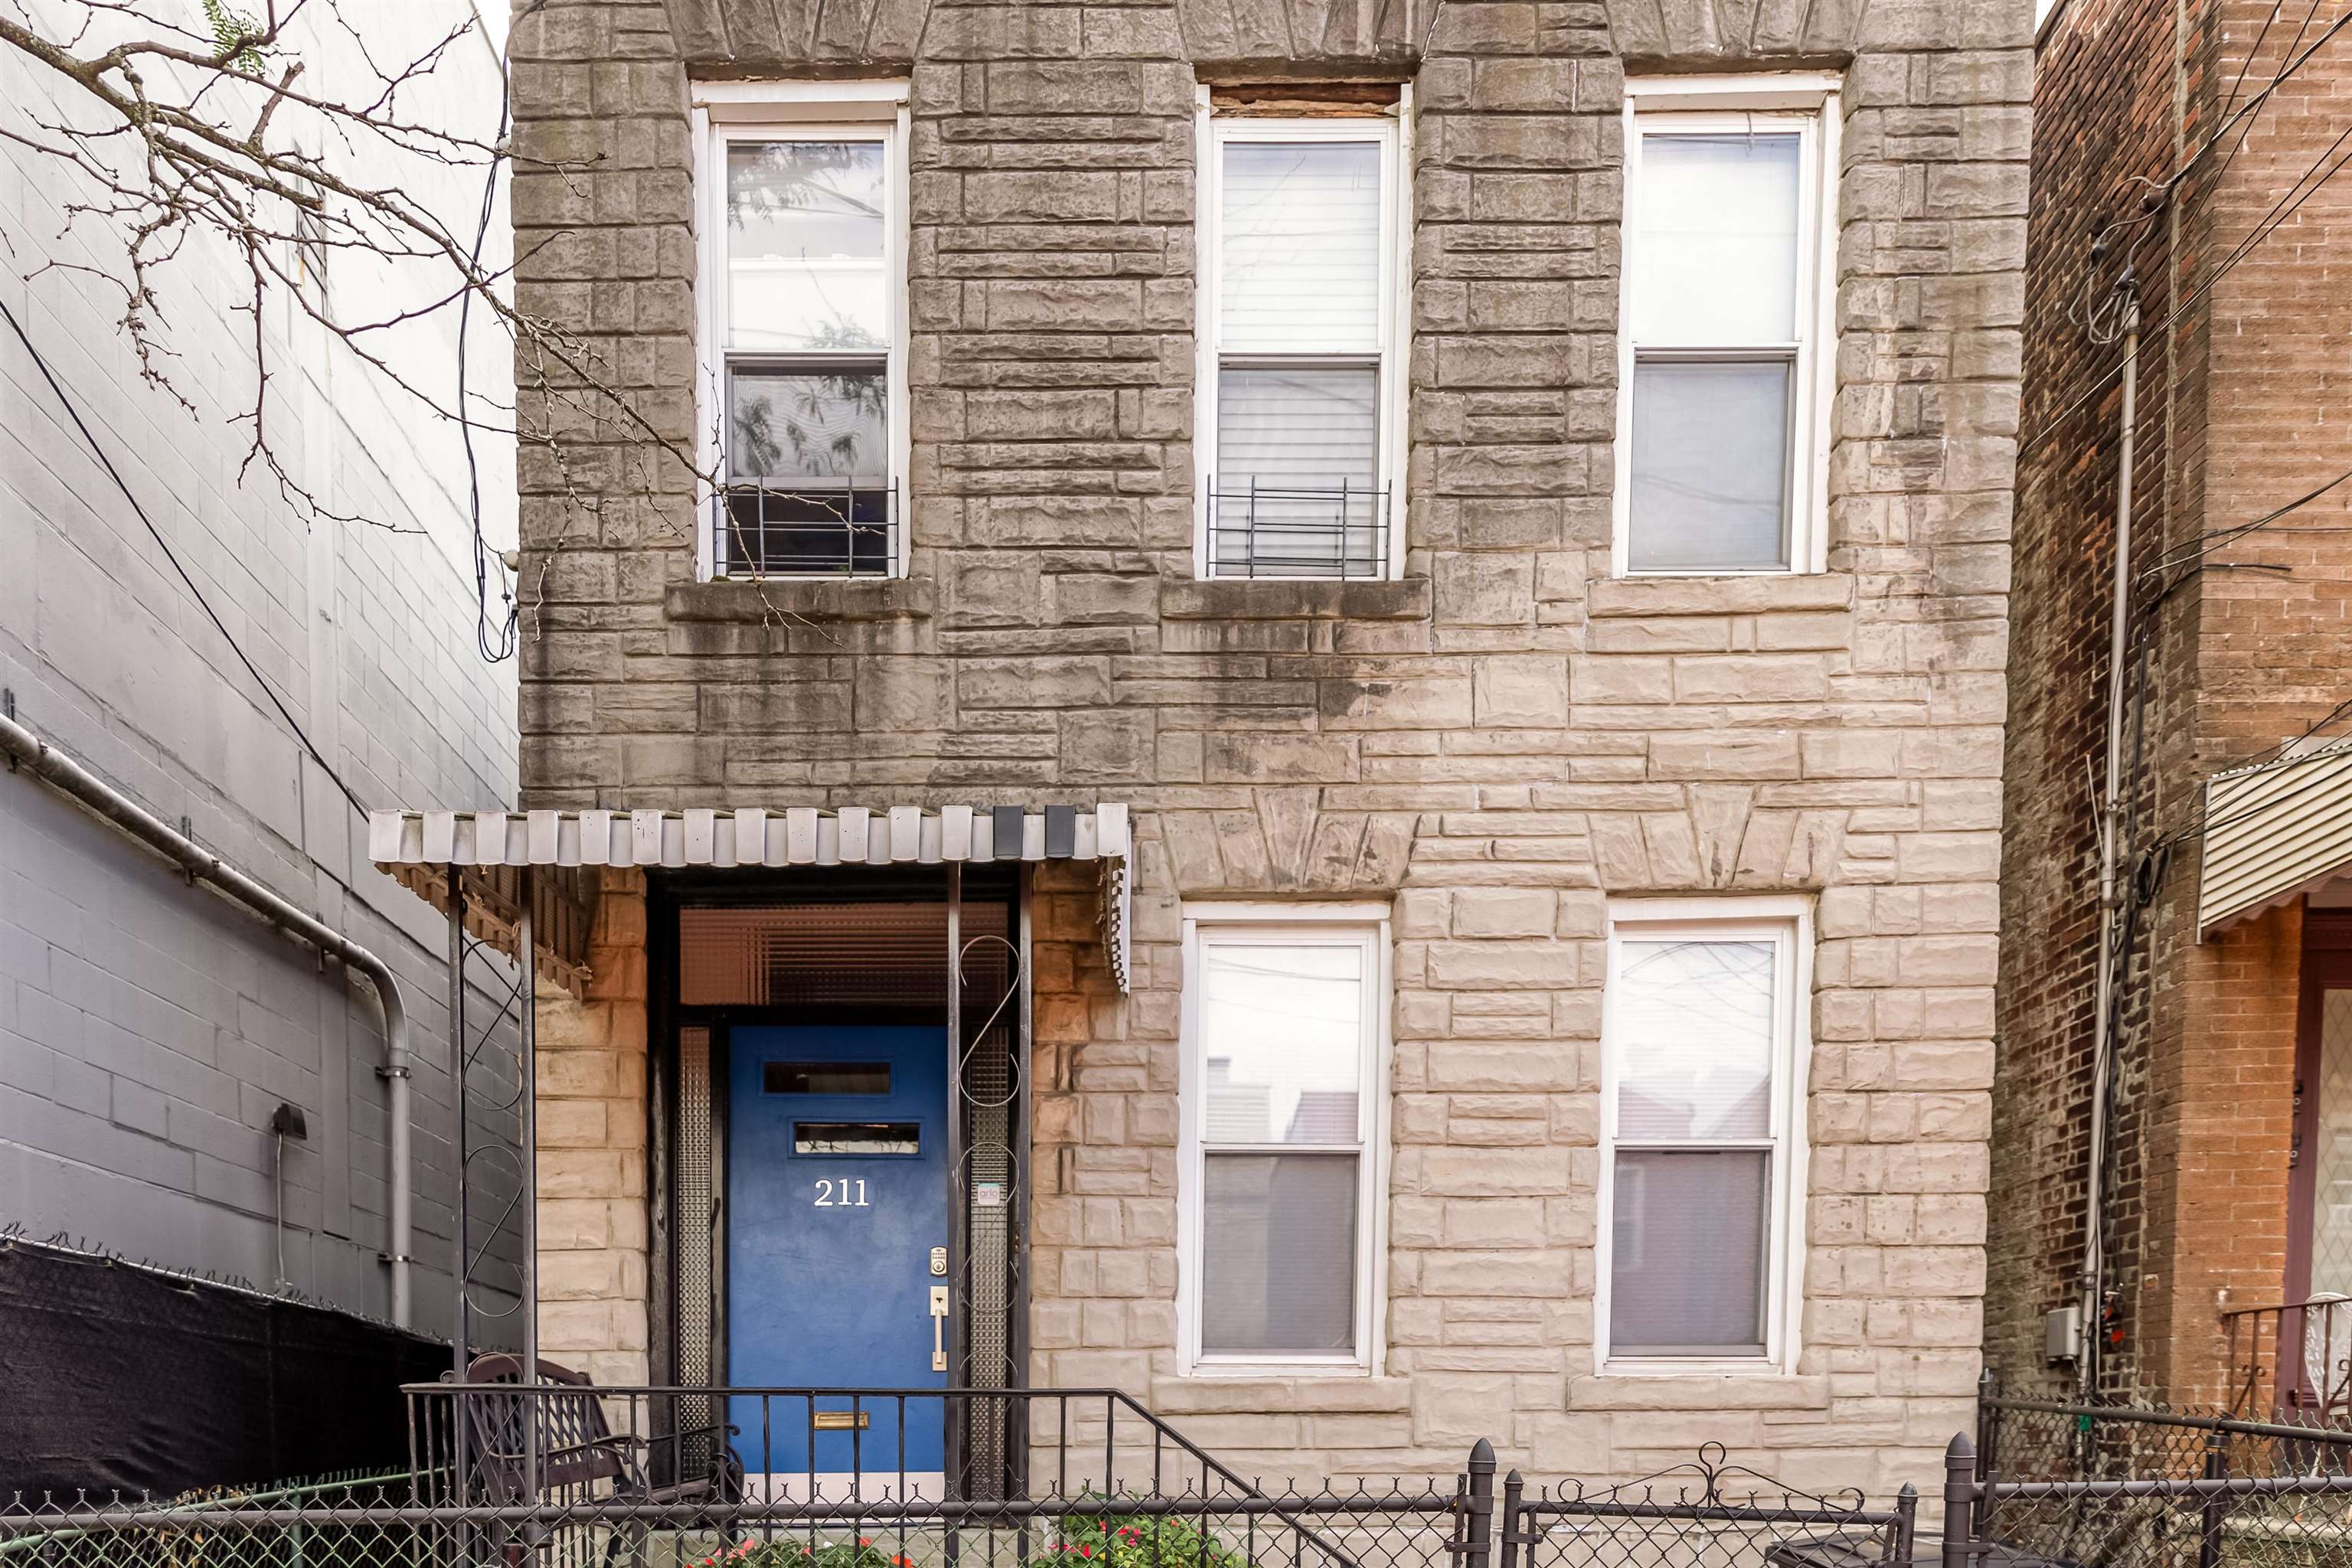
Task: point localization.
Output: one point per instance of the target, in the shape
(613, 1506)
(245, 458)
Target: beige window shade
(832, 955)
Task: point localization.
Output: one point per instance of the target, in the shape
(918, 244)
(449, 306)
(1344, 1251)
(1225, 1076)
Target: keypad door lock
(938, 1262)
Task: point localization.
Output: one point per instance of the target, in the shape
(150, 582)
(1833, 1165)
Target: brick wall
(2233, 422)
(1499, 742)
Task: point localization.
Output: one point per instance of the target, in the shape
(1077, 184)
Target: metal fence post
(2214, 1504)
(1906, 1526)
(1960, 1502)
(1988, 1425)
(1514, 1490)
(1478, 1508)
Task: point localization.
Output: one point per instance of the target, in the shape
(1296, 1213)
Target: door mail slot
(900, 1138)
(842, 1420)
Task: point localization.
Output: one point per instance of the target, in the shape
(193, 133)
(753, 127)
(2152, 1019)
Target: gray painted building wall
(148, 1029)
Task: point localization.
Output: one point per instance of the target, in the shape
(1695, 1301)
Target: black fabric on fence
(118, 1378)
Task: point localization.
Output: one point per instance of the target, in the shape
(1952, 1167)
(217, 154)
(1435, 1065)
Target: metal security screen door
(2314, 1369)
(819, 1149)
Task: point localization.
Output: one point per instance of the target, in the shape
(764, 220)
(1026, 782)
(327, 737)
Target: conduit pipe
(61, 772)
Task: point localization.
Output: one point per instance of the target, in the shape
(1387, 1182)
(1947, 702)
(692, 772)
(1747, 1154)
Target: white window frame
(1807, 101)
(726, 111)
(1212, 131)
(1787, 922)
(1368, 924)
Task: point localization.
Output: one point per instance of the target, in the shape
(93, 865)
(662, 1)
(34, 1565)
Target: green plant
(1107, 1540)
(787, 1552)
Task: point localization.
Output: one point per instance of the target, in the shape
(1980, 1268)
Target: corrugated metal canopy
(2273, 833)
(408, 844)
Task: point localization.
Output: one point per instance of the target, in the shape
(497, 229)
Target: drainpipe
(61, 772)
(2111, 827)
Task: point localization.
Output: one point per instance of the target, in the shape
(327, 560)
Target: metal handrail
(1112, 1398)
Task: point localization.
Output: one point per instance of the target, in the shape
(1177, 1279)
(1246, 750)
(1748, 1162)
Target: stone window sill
(1753, 594)
(806, 598)
(1244, 599)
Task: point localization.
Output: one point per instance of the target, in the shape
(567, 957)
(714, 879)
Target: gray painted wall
(149, 1029)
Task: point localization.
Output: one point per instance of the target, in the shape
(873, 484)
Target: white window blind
(1725, 243)
(1298, 374)
(1699, 1040)
(1281, 1024)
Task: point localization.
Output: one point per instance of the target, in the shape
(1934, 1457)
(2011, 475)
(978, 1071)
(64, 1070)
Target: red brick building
(2183, 162)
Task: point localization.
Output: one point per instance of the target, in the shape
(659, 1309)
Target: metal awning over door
(2273, 833)
(417, 847)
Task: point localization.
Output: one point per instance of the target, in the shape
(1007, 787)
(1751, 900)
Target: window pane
(1279, 1253)
(1693, 1036)
(1687, 1253)
(1299, 247)
(1281, 1037)
(1710, 467)
(805, 226)
(1716, 259)
(833, 425)
(1298, 471)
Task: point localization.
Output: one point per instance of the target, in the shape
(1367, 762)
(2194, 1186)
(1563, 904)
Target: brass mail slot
(842, 1420)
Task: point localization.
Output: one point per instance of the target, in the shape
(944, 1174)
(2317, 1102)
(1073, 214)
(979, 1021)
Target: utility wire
(2262, 229)
(98, 450)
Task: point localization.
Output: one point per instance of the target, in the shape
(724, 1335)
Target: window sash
(1783, 925)
(1737, 106)
(796, 117)
(1362, 541)
(1205, 933)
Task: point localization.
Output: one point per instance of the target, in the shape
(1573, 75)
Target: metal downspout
(61, 772)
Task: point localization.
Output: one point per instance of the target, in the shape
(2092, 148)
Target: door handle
(938, 1328)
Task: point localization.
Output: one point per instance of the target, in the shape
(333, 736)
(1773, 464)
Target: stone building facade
(1477, 753)
(2217, 1186)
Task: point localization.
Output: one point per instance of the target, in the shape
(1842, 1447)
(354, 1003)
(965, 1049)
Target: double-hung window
(804, 268)
(1725, 358)
(1285, 1025)
(1703, 1050)
(1299, 427)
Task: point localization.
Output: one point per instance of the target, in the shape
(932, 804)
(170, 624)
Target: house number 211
(845, 1194)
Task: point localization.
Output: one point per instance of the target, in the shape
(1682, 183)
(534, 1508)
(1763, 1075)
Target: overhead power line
(2292, 199)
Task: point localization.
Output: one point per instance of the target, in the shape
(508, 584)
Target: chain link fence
(2086, 1486)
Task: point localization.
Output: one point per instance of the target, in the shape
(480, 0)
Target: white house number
(848, 1193)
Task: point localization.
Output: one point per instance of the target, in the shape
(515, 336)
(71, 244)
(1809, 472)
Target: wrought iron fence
(2293, 1359)
(1169, 1507)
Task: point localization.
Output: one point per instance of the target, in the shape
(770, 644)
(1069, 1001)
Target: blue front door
(836, 1195)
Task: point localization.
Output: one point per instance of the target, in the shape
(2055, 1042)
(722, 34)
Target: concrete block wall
(1498, 743)
(2244, 653)
(148, 1030)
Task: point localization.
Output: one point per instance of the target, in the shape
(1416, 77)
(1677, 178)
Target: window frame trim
(722, 112)
(1812, 101)
(1370, 922)
(1394, 360)
(1787, 920)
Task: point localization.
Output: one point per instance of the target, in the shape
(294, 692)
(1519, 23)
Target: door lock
(938, 1328)
(938, 1262)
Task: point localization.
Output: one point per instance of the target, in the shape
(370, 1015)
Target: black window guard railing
(1260, 529)
(809, 528)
